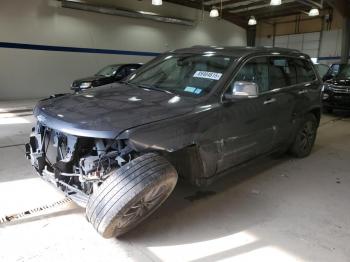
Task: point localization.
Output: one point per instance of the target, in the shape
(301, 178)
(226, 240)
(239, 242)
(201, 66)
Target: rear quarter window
(305, 72)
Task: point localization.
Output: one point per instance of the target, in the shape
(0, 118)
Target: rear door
(308, 86)
(283, 90)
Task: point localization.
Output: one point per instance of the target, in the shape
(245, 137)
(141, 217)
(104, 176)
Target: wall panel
(30, 74)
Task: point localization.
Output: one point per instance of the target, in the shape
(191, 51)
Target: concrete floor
(276, 210)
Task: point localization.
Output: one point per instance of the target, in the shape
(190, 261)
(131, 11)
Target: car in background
(333, 71)
(322, 69)
(336, 88)
(107, 75)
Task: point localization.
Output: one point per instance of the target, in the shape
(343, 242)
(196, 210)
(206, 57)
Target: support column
(251, 33)
(345, 45)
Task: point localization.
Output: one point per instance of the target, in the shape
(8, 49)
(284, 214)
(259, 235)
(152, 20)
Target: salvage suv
(198, 112)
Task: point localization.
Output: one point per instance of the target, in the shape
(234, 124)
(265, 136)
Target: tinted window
(305, 72)
(335, 69)
(282, 72)
(255, 70)
(108, 70)
(344, 72)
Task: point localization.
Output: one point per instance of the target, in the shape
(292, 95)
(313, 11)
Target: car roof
(240, 51)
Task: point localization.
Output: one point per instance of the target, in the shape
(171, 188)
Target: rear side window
(282, 72)
(305, 72)
(255, 70)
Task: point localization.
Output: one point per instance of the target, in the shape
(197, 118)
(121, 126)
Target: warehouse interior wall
(313, 36)
(27, 73)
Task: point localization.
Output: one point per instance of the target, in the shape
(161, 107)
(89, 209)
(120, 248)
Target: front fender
(199, 129)
(166, 135)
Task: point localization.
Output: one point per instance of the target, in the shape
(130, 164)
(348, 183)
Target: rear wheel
(131, 194)
(305, 137)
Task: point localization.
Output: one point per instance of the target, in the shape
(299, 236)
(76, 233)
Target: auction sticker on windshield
(207, 75)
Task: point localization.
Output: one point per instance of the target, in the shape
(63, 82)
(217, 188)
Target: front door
(247, 128)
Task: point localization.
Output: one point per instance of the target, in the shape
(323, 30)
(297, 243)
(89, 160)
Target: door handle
(304, 91)
(269, 101)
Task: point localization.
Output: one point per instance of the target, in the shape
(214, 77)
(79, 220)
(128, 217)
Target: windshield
(344, 72)
(189, 74)
(108, 70)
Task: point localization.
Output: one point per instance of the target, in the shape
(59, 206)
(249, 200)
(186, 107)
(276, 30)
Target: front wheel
(305, 137)
(131, 194)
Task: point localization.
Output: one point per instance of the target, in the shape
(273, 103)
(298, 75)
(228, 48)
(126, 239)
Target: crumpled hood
(107, 111)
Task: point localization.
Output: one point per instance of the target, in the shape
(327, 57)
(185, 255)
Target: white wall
(330, 46)
(327, 44)
(31, 73)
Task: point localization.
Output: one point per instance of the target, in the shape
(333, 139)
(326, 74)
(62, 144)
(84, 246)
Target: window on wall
(256, 71)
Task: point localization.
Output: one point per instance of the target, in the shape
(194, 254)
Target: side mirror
(242, 89)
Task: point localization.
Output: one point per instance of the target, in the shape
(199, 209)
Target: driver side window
(256, 71)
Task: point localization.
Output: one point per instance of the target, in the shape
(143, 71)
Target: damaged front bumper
(75, 165)
(35, 151)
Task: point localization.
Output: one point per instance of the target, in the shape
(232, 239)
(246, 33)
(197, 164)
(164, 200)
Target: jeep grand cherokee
(196, 112)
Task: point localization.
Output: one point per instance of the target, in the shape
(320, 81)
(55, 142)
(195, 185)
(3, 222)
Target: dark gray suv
(197, 112)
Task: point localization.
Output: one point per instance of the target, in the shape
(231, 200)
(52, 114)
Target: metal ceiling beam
(127, 13)
(240, 3)
(291, 7)
(248, 4)
(313, 3)
(225, 15)
(278, 15)
(254, 7)
(215, 2)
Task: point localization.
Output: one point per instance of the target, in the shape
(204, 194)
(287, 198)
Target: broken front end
(76, 165)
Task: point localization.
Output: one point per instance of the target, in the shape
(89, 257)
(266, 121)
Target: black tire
(305, 137)
(130, 194)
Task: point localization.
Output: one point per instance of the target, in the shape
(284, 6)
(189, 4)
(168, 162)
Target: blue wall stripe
(97, 51)
(330, 58)
(75, 49)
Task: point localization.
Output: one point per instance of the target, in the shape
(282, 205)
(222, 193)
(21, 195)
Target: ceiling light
(214, 12)
(252, 21)
(314, 12)
(276, 2)
(157, 2)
